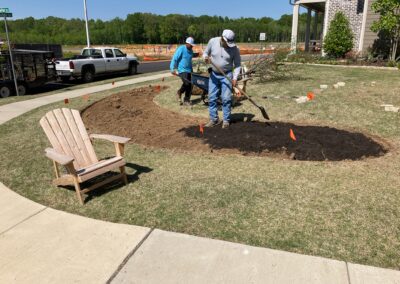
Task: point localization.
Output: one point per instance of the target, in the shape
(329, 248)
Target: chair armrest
(58, 157)
(111, 138)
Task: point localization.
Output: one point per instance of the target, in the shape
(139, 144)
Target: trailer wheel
(5, 91)
(204, 98)
(22, 90)
(87, 75)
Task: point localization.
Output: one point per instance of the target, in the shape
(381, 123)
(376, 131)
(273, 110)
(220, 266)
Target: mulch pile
(134, 114)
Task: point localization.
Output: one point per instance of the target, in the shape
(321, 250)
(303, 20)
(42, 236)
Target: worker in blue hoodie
(182, 61)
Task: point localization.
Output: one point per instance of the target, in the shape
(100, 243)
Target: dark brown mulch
(134, 114)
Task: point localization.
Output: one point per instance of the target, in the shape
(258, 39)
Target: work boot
(211, 123)
(225, 125)
(179, 97)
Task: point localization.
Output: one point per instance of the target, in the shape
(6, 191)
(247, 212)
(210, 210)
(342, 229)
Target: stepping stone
(392, 108)
(341, 84)
(301, 100)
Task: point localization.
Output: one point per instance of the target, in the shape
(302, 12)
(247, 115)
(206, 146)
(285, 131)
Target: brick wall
(353, 9)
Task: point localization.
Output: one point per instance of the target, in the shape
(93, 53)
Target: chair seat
(100, 167)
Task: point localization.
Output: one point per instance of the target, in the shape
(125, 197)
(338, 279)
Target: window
(109, 53)
(360, 6)
(119, 53)
(92, 53)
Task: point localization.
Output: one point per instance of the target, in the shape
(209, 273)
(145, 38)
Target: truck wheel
(5, 91)
(132, 69)
(22, 90)
(87, 76)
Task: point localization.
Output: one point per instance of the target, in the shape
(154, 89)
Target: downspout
(326, 22)
(364, 23)
(295, 21)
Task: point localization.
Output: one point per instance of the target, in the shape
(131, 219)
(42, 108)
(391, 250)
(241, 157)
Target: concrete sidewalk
(42, 245)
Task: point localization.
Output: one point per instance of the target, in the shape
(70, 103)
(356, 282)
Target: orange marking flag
(201, 127)
(113, 83)
(66, 101)
(310, 96)
(292, 135)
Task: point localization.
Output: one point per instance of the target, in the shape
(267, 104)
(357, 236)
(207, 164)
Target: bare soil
(134, 114)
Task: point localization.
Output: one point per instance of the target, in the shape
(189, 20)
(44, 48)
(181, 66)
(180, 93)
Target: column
(315, 27)
(295, 24)
(308, 28)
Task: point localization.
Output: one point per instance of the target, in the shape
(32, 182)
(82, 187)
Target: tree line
(147, 28)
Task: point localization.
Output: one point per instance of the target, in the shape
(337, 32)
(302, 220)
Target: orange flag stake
(201, 127)
(163, 79)
(66, 101)
(310, 96)
(113, 83)
(292, 135)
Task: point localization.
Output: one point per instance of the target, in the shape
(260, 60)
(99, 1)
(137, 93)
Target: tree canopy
(389, 22)
(145, 28)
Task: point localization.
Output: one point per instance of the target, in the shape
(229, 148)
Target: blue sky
(108, 9)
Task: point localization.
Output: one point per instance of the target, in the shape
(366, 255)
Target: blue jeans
(219, 85)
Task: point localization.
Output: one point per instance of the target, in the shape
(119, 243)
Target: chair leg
(124, 176)
(78, 191)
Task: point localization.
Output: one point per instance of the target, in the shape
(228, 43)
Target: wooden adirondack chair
(73, 149)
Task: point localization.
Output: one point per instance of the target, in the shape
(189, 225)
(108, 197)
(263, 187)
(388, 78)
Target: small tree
(389, 22)
(339, 38)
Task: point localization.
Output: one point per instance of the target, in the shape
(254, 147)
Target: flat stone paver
(14, 208)
(167, 257)
(13, 110)
(361, 274)
(58, 247)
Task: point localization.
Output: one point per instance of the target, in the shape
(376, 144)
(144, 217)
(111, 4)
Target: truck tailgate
(62, 65)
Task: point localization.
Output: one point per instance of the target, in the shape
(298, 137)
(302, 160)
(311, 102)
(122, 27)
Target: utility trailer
(33, 68)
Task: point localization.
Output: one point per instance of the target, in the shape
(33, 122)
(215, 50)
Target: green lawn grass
(345, 210)
(74, 86)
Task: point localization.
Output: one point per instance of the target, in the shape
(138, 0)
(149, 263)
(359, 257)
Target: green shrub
(339, 38)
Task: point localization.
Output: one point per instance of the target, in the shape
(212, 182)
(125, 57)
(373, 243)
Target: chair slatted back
(67, 134)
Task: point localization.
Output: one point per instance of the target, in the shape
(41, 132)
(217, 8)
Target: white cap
(190, 41)
(229, 37)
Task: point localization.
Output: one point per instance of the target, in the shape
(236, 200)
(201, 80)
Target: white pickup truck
(96, 61)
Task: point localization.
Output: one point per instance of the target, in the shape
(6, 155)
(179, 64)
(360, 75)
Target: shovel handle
(262, 109)
(230, 80)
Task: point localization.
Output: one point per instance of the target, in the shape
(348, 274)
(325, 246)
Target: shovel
(262, 109)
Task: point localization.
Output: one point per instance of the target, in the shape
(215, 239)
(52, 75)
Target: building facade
(358, 12)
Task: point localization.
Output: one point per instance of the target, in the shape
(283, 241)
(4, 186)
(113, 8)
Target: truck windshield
(92, 52)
